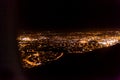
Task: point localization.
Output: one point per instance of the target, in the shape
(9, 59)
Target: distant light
(104, 43)
(83, 42)
(34, 39)
(26, 39)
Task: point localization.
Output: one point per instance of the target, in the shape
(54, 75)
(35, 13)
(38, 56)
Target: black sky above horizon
(60, 14)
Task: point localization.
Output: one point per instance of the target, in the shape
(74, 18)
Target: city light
(39, 48)
(26, 39)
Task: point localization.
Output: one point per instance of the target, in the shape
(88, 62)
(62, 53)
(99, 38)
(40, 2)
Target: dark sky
(60, 14)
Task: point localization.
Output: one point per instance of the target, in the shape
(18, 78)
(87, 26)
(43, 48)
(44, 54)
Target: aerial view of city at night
(59, 40)
(36, 49)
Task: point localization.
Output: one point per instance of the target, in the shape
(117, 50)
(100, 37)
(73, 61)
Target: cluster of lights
(37, 49)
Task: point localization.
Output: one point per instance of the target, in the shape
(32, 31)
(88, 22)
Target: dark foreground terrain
(102, 64)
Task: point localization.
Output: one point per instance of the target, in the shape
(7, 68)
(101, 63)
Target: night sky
(61, 14)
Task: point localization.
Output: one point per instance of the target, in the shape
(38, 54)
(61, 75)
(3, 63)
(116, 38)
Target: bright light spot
(103, 43)
(26, 39)
(37, 54)
(31, 63)
(83, 42)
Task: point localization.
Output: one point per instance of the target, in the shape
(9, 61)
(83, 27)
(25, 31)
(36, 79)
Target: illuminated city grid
(37, 49)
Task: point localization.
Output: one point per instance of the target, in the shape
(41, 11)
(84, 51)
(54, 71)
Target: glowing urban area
(37, 49)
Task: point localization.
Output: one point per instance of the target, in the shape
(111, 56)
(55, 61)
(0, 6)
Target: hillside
(101, 62)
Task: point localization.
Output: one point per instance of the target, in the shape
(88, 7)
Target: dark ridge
(101, 62)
